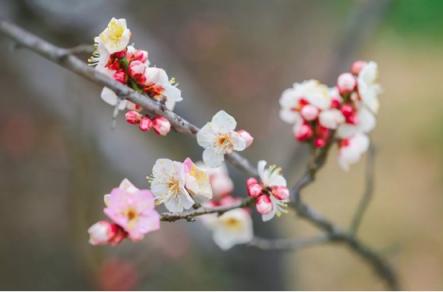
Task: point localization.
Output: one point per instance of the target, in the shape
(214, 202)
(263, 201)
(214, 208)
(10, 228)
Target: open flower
(116, 35)
(168, 185)
(219, 138)
(159, 87)
(231, 228)
(365, 122)
(197, 181)
(368, 88)
(133, 210)
(351, 150)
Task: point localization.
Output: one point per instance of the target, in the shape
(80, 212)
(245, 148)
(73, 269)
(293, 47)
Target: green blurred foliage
(421, 19)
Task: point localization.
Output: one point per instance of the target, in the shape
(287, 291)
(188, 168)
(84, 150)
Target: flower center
(115, 30)
(173, 186)
(232, 224)
(224, 142)
(132, 216)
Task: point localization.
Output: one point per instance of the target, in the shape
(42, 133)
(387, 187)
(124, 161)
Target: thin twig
(64, 58)
(287, 244)
(190, 215)
(367, 194)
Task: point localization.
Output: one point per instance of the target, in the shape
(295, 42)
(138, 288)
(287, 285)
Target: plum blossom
(168, 185)
(271, 194)
(218, 138)
(159, 87)
(232, 228)
(351, 150)
(197, 181)
(132, 209)
(115, 37)
(368, 88)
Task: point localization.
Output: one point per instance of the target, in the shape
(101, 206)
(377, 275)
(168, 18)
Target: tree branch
(64, 58)
(369, 190)
(190, 215)
(285, 244)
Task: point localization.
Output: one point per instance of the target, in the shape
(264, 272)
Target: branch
(64, 58)
(285, 244)
(190, 215)
(367, 194)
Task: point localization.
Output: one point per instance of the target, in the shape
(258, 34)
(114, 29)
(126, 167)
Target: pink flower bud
(120, 76)
(246, 136)
(251, 181)
(280, 192)
(161, 125)
(136, 70)
(352, 119)
(303, 133)
(102, 233)
(346, 83)
(357, 66)
(309, 112)
(141, 55)
(319, 143)
(344, 143)
(263, 205)
(145, 124)
(347, 110)
(254, 190)
(133, 117)
(335, 103)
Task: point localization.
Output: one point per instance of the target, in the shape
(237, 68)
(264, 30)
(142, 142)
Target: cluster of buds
(270, 193)
(130, 66)
(159, 124)
(345, 112)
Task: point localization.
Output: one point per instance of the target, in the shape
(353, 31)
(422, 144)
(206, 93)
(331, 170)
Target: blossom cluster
(344, 113)
(130, 66)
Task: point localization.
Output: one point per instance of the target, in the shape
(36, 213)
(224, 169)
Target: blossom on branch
(344, 114)
(271, 193)
(218, 138)
(179, 185)
(132, 212)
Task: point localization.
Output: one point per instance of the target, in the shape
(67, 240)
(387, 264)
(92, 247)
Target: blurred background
(59, 154)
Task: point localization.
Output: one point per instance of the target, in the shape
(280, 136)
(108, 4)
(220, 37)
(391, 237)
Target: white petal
(213, 158)
(289, 116)
(206, 136)
(128, 186)
(366, 120)
(162, 167)
(238, 142)
(223, 122)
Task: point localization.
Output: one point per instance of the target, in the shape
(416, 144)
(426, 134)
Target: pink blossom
(133, 210)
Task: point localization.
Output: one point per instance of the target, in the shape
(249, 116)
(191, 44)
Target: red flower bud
(264, 205)
(161, 125)
(133, 117)
(145, 124)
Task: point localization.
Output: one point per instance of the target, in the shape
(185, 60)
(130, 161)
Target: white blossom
(231, 228)
(168, 185)
(219, 138)
(368, 87)
(115, 37)
(352, 149)
(158, 79)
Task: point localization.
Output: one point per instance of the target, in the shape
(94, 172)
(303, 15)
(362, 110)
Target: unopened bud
(133, 117)
(263, 205)
(161, 125)
(145, 124)
(246, 136)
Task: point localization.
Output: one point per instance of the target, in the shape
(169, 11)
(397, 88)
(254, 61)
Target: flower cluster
(132, 212)
(344, 113)
(130, 66)
(219, 138)
(179, 185)
(271, 193)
